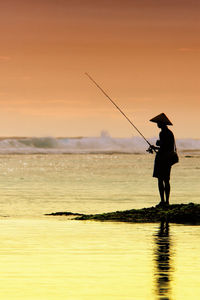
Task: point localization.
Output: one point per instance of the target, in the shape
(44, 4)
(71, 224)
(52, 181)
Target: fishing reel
(151, 149)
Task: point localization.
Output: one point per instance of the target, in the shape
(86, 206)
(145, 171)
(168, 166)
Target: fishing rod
(119, 109)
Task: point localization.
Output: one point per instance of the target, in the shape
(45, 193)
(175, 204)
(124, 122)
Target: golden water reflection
(163, 261)
(52, 258)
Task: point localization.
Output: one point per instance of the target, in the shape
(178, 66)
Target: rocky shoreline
(175, 213)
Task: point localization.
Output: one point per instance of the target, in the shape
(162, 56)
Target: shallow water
(32, 185)
(56, 259)
(50, 258)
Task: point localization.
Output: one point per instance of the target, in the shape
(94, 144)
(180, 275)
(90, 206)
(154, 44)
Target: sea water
(44, 258)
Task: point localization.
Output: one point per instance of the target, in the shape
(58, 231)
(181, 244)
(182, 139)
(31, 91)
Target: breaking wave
(102, 144)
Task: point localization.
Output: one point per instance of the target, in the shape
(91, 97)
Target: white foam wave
(101, 144)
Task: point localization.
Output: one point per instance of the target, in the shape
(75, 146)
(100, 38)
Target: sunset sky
(144, 53)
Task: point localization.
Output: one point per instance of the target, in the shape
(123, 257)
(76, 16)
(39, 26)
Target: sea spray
(101, 144)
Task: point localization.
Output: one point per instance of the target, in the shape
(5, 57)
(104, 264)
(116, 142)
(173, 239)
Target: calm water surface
(31, 185)
(44, 258)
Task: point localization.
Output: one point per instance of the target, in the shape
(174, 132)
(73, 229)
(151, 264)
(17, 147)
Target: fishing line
(117, 107)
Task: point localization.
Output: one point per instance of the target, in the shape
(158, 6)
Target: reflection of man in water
(162, 258)
(162, 165)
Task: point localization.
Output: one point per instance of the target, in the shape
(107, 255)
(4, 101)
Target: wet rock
(175, 213)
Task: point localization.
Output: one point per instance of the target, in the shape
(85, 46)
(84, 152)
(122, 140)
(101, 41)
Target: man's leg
(167, 190)
(161, 190)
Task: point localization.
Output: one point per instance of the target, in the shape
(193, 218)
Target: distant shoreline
(103, 144)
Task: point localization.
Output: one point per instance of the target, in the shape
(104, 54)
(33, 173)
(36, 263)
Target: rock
(175, 213)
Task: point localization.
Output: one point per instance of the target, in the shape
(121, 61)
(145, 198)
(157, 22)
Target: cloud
(4, 58)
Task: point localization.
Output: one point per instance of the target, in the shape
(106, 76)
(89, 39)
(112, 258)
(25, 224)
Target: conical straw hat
(161, 118)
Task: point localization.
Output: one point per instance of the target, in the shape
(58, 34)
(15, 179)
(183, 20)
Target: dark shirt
(166, 141)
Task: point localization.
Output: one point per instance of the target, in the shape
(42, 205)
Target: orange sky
(145, 54)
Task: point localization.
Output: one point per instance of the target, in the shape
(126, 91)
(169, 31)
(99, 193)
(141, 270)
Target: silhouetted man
(163, 161)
